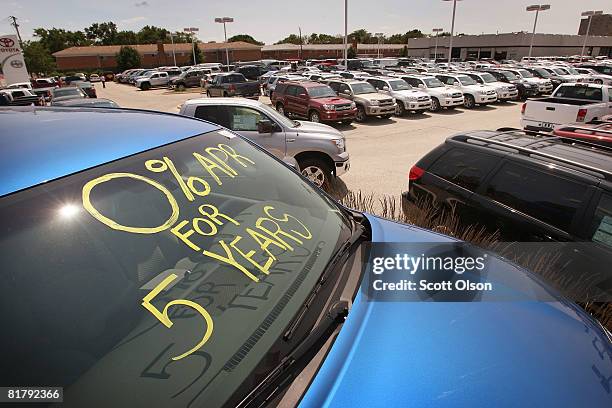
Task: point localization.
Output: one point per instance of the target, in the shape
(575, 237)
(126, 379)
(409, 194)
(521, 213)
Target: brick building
(322, 51)
(153, 55)
(601, 24)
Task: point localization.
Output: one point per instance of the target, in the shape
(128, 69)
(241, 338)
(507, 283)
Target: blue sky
(270, 21)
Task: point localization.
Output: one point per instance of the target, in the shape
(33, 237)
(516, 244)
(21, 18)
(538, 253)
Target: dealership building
(153, 55)
(509, 46)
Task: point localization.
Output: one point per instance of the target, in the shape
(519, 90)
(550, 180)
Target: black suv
(525, 89)
(530, 188)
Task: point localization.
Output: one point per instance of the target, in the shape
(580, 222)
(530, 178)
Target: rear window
(545, 196)
(579, 92)
(215, 114)
(466, 168)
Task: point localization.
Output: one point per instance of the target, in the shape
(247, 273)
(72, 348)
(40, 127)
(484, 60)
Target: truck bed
(564, 101)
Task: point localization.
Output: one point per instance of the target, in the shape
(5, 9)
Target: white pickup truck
(574, 102)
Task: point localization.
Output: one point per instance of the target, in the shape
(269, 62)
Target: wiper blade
(284, 373)
(339, 257)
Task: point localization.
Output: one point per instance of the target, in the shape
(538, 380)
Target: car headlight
(329, 107)
(353, 105)
(448, 95)
(339, 144)
(374, 103)
(482, 92)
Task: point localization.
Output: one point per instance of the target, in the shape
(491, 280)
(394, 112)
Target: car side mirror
(456, 83)
(265, 126)
(385, 88)
(421, 86)
(303, 96)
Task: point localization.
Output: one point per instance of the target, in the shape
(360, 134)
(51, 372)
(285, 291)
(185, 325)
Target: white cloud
(132, 20)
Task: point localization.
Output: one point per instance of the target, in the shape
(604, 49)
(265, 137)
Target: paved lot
(382, 151)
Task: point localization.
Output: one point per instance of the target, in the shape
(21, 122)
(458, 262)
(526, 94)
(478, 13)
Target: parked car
(505, 92)
(232, 84)
(188, 79)
(473, 93)
(94, 78)
(525, 89)
(86, 87)
(98, 230)
(319, 150)
(67, 92)
(596, 132)
(270, 86)
(313, 101)
(407, 98)
(547, 73)
(442, 96)
(595, 77)
(252, 72)
(367, 99)
(21, 97)
(152, 79)
(87, 103)
(569, 103)
(545, 86)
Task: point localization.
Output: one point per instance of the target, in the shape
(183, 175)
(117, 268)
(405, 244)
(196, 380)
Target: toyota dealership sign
(12, 64)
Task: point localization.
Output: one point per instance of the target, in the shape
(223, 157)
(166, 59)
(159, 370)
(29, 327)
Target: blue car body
(388, 354)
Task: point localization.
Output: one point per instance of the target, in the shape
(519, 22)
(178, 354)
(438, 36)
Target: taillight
(232, 88)
(415, 173)
(523, 108)
(581, 115)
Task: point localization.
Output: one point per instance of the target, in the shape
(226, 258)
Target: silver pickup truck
(317, 150)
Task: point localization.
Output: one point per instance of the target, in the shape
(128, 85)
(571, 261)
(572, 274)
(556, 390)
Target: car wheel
(280, 108)
(145, 86)
(317, 171)
(361, 115)
(401, 109)
(469, 102)
(435, 105)
(313, 116)
(181, 87)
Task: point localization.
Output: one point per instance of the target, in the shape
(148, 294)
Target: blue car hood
(489, 354)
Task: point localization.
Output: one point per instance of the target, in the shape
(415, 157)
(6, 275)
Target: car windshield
(542, 72)
(560, 71)
(433, 82)
(168, 277)
(488, 78)
(510, 76)
(572, 71)
(273, 113)
(603, 69)
(321, 92)
(60, 92)
(399, 85)
(359, 88)
(525, 74)
(466, 80)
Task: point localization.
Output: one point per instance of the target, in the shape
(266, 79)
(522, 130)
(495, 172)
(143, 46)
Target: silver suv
(407, 98)
(317, 150)
(368, 100)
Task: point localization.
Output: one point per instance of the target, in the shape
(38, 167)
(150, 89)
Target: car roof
(544, 147)
(223, 101)
(305, 84)
(43, 144)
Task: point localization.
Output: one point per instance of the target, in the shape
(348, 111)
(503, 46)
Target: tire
(180, 87)
(317, 171)
(470, 102)
(313, 116)
(280, 108)
(361, 115)
(270, 96)
(435, 105)
(386, 116)
(346, 122)
(145, 86)
(401, 109)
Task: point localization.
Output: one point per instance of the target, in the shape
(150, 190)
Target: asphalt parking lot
(382, 151)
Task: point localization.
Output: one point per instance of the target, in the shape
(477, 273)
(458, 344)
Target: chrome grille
(384, 102)
(423, 98)
(346, 106)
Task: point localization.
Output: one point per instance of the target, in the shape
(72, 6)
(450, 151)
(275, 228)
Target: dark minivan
(530, 188)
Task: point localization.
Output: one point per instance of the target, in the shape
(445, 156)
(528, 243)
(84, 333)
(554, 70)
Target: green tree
(324, 39)
(351, 53)
(102, 33)
(126, 38)
(151, 35)
(291, 39)
(244, 37)
(362, 36)
(199, 55)
(127, 58)
(404, 52)
(37, 57)
(56, 39)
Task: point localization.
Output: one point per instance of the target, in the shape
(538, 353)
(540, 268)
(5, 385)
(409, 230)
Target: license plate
(547, 125)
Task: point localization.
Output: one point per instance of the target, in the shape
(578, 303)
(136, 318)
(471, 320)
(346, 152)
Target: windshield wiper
(284, 373)
(337, 259)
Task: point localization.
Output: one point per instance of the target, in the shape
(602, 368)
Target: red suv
(314, 101)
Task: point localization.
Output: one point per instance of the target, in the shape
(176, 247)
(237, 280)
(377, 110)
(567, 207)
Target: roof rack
(607, 175)
(552, 136)
(571, 128)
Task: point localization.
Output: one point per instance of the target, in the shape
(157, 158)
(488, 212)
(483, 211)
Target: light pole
(191, 31)
(380, 38)
(450, 45)
(173, 53)
(225, 20)
(589, 14)
(537, 8)
(346, 35)
(436, 30)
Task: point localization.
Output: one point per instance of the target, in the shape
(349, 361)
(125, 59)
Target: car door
(300, 101)
(244, 120)
(345, 91)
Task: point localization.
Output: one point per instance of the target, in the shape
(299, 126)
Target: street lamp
(191, 31)
(450, 46)
(380, 37)
(173, 53)
(590, 15)
(537, 8)
(436, 30)
(346, 35)
(224, 20)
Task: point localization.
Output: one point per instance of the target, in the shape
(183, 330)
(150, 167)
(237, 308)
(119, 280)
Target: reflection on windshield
(525, 73)
(466, 80)
(433, 82)
(321, 92)
(400, 85)
(488, 78)
(362, 88)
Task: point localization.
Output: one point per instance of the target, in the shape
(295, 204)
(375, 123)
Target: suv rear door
(295, 103)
